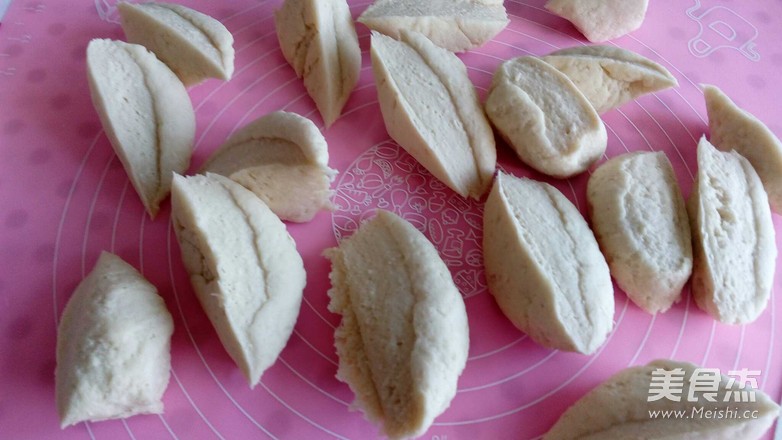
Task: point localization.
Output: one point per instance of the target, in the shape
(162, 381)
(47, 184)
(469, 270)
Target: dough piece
(610, 76)
(194, 45)
(601, 20)
(283, 158)
(146, 113)
(403, 340)
(113, 346)
(640, 221)
(243, 265)
(544, 267)
(456, 25)
(733, 237)
(619, 408)
(318, 39)
(545, 118)
(732, 128)
(431, 109)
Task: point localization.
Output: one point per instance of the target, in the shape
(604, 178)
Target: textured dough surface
(545, 118)
(113, 346)
(619, 409)
(282, 158)
(146, 113)
(733, 237)
(430, 108)
(243, 265)
(456, 25)
(544, 267)
(601, 20)
(732, 128)
(403, 339)
(319, 41)
(610, 76)
(640, 220)
(195, 46)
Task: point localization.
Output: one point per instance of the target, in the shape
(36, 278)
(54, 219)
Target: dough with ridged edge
(456, 25)
(732, 128)
(543, 116)
(194, 45)
(619, 408)
(610, 76)
(318, 39)
(544, 267)
(734, 245)
(283, 158)
(431, 109)
(243, 265)
(403, 339)
(640, 220)
(146, 113)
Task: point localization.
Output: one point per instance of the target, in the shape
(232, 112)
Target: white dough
(733, 237)
(640, 220)
(319, 41)
(732, 128)
(403, 339)
(601, 20)
(146, 113)
(283, 158)
(113, 346)
(619, 409)
(544, 267)
(545, 118)
(194, 45)
(456, 25)
(243, 266)
(610, 76)
(430, 108)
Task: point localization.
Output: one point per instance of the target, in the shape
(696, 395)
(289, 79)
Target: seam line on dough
(574, 250)
(158, 145)
(340, 71)
(458, 108)
(551, 149)
(756, 227)
(201, 30)
(303, 45)
(410, 318)
(257, 253)
(362, 333)
(381, 402)
(347, 308)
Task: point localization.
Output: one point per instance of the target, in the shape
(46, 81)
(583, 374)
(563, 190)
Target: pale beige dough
(243, 265)
(456, 25)
(431, 109)
(283, 158)
(403, 340)
(544, 267)
(113, 346)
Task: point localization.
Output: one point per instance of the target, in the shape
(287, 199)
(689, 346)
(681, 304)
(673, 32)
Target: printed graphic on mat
(721, 28)
(387, 177)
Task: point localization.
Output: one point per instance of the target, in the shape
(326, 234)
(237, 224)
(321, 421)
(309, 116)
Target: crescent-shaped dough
(146, 113)
(403, 339)
(243, 266)
(194, 45)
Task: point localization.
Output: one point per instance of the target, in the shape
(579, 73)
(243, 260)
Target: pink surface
(64, 197)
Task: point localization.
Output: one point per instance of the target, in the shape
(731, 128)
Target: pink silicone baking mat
(64, 197)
